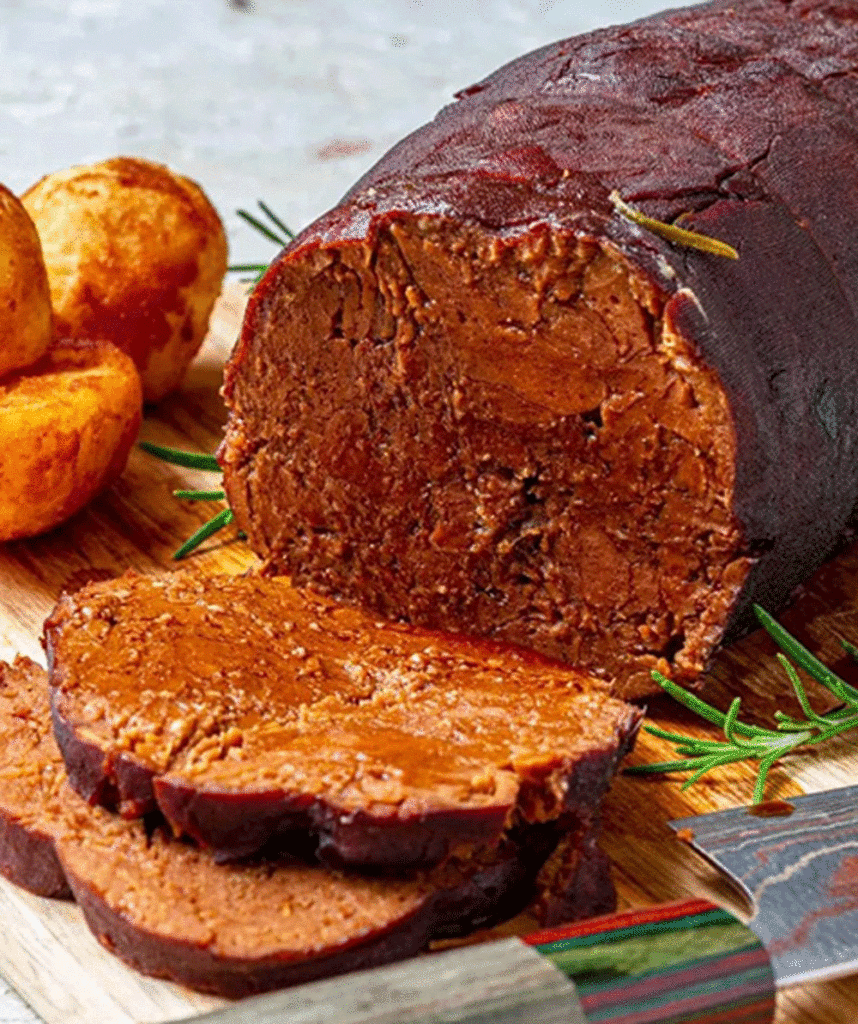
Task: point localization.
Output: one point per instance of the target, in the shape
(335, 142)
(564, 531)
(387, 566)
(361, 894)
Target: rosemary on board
(193, 460)
(272, 228)
(276, 231)
(673, 233)
(743, 742)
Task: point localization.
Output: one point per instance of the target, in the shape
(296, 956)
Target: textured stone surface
(286, 100)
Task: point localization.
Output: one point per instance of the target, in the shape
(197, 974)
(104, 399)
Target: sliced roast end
(497, 432)
(169, 910)
(29, 810)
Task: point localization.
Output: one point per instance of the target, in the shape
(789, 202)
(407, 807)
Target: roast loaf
(478, 396)
(31, 782)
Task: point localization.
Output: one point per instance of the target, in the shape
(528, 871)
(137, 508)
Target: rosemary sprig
(193, 460)
(190, 460)
(272, 228)
(200, 495)
(743, 742)
(280, 234)
(218, 522)
(672, 233)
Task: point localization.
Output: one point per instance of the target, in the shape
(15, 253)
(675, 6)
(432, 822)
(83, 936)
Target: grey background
(284, 100)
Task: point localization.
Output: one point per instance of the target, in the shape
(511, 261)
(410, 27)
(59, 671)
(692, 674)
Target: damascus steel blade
(799, 871)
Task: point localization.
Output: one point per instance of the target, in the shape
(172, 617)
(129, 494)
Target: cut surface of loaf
(478, 397)
(170, 910)
(249, 712)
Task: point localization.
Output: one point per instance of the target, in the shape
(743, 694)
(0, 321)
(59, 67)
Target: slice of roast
(249, 713)
(170, 910)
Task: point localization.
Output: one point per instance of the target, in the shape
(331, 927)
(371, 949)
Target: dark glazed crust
(241, 825)
(739, 116)
(28, 858)
(575, 882)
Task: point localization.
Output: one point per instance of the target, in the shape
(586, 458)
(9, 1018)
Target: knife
(690, 961)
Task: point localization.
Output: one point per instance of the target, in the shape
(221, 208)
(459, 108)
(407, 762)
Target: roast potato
(67, 425)
(25, 306)
(136, 255)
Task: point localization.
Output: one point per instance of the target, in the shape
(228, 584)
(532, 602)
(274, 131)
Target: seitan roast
(251, 714)
(478, 396)
(169, 909)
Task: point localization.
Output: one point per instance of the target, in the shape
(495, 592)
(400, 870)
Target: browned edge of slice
(203, 928)
(30, 772)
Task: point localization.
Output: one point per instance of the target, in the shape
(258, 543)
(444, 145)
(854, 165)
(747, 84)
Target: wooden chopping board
(47, 953)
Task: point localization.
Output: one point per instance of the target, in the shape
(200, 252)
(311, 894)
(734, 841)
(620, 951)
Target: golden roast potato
(25, 306)
(67, 425)
(136, 255)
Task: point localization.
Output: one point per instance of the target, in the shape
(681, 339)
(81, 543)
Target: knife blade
(679, 962)
(798, 870)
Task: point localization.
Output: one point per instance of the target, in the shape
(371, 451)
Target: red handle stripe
(688, 962)
(639, 917)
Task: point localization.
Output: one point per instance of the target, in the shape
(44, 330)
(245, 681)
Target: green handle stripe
(688, 962)
(617, 933)
(590, 978)
(754, 982)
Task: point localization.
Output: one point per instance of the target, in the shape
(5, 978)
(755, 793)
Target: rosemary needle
(281, 236)
(260, 227)
(193, 460)
(672, 233)
(200, 495)
(222, 519)
(272, 216)
(744, 742)
(276, 231)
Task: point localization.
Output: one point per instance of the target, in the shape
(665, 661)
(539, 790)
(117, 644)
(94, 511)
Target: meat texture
(477, 396)
(251, 714)
(170, 910)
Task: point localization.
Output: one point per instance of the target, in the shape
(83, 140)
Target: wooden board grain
(47, 952)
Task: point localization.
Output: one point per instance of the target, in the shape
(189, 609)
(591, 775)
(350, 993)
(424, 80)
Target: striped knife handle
(688, 961)
(683, 962)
